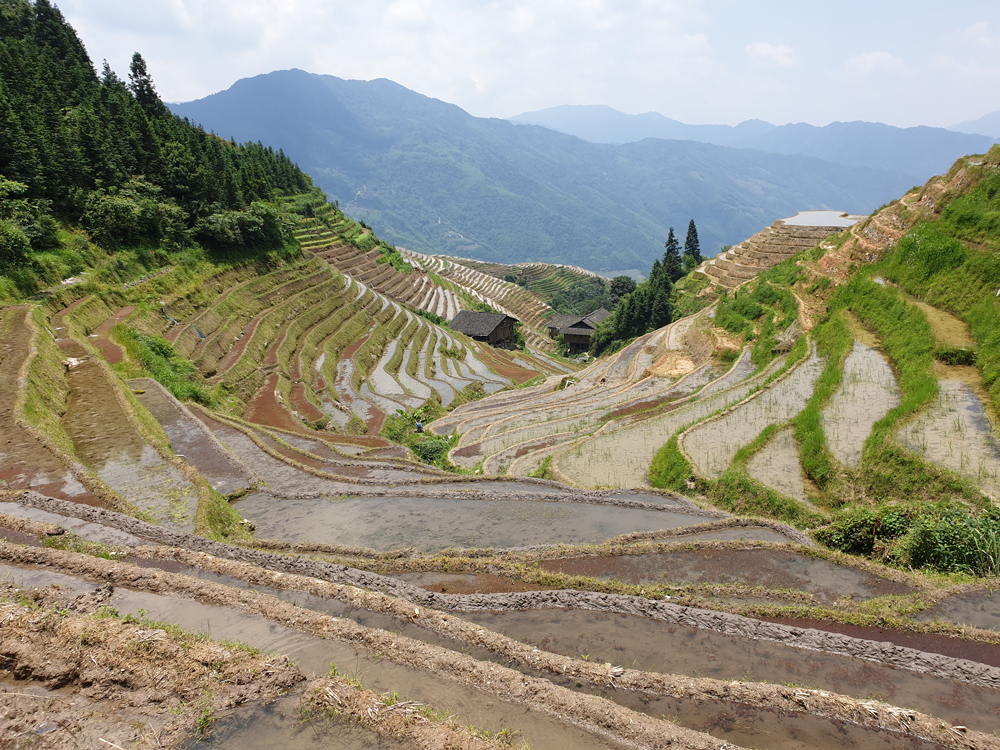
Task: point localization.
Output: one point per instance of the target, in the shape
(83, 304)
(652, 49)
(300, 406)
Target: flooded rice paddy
(106, 441)
(619, 456)
(433, 524)
(956, 432)
(867, 393)
(980, 610)
(282, 724)
(315, 656)
(92, 531)
(712, 445)
(189, 440)
(777, 466)
(771, 569)
(649, 645)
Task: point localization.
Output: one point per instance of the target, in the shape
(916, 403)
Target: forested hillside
(430, 177)
(92, 151)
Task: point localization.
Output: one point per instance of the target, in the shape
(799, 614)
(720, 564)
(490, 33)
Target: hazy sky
(709, 61)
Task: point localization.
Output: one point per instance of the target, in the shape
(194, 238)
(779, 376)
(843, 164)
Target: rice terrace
(268, 479)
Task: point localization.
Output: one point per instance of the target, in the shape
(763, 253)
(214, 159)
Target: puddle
(189, 441)
(955, 432)
(777, 466)
(281, 724)
(92, 531)
(976, 610)
(712, 445)
(105, 440)
(640, 643)
(433, 524)
(867, 393)
(772, 569)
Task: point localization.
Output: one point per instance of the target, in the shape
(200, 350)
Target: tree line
(106, 154)
(644, 307)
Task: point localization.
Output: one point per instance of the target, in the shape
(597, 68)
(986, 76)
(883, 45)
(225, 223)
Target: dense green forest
(86, 151)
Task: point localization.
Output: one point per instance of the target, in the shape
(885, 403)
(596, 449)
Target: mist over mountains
(919, 152)
(431, 177)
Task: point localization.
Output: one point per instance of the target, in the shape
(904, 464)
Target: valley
(268, 479)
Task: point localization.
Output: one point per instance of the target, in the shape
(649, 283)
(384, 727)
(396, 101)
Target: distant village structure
(494, 329)
(576, 330)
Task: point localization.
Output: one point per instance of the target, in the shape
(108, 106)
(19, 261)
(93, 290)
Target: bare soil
(133, 684)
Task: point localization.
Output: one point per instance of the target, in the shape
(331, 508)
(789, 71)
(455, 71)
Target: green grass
(834, 342)
(160, 361)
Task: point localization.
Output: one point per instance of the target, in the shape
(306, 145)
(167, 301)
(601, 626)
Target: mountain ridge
(918, 151)
(429, 176)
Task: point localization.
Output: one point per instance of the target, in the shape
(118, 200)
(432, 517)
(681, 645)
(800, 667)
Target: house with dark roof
(490, 328)
(576, 330)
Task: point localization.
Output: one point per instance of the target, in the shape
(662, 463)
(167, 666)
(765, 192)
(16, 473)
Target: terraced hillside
(841, 367)
(782, 240)
(207, 533)
(426, 607)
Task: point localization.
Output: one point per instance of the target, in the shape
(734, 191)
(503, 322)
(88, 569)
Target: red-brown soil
(25, 462)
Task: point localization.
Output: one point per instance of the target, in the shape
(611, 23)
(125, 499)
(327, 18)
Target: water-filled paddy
(820, 219)
(956, 432)
(433, 524)
(188, 439)
(981, 610)
(649, 645)
(106, 441)
(777, 466)
(621, 457)
(867, 393)
(712, 445)
(314, 656)
(772, 569)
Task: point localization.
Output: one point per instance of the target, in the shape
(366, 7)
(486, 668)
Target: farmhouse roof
(474, 324)
(599, 315)
(564, 321)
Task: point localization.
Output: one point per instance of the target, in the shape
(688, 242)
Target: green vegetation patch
(160, 361)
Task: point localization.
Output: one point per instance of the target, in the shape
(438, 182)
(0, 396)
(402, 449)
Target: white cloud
(874, 62)
(979, 33)
(780, 55)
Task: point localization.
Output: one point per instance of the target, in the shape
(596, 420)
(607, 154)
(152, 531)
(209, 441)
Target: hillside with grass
(848, 384)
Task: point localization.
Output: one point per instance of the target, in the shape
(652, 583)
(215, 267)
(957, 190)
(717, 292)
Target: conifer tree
(672, 257)
(141, 85)
(692, 249)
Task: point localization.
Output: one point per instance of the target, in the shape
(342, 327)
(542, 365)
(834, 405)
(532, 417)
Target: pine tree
(672, 257)
(692, 249)
(141, 84)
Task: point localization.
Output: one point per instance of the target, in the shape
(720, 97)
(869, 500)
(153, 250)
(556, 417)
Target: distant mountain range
(431, 177)
(985, 125)
(919, 152)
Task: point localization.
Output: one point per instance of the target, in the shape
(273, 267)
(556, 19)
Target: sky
(697, 61)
